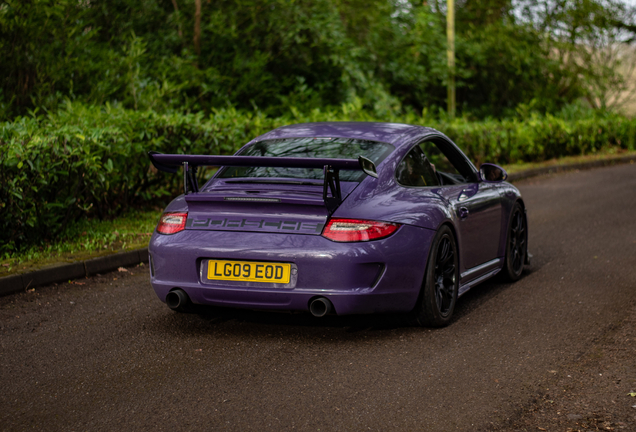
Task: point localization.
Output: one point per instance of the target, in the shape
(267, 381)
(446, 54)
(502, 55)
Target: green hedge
(92, 161)
(540, 138)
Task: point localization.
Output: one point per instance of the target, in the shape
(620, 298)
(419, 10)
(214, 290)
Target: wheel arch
(510, 273)
(508, 206)
(450, 225)
(456, 238)
(418, 315)
(521, 202)
(523, 209)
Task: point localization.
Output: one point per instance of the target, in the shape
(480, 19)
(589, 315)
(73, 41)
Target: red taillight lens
(171, 223)
(354, 230)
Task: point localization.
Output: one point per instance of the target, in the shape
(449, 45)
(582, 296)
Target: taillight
(171, 223)
(354, 230)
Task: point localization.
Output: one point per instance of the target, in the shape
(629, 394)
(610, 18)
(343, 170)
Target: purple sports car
(343, 218)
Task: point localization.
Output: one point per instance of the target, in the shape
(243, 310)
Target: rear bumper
(367, 277)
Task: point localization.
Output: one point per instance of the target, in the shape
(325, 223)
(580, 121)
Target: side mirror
(491, 173)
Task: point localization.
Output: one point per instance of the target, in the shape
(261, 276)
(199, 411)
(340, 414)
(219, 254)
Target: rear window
(339, 148)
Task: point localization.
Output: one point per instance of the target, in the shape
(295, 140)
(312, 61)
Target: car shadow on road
(485, 292)
(348, 323)
(206, 319)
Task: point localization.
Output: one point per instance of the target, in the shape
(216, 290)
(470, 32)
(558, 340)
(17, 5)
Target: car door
(477, 205)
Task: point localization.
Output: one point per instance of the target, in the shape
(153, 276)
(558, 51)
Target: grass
(85, 239)
(604, 154)
(89, 238)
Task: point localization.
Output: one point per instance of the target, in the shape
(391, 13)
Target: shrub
(92, 161)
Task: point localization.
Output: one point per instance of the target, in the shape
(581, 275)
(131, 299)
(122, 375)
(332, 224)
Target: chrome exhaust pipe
(178, 300)
(320, 306)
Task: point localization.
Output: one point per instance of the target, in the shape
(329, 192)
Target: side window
(416, 170)
(447, 172)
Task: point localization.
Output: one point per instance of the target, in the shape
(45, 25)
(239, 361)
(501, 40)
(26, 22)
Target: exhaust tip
(178, 300)
(320, 306)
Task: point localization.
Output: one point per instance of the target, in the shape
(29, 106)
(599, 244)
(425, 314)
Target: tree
(592, 42)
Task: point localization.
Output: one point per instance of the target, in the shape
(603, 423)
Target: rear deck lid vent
(252, 199)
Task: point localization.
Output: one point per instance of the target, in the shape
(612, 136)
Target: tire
(516, 244)
(441, 282)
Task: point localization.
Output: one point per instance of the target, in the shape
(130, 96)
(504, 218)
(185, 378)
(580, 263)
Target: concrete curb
(65, 272)
(16, 283)
(571, 167)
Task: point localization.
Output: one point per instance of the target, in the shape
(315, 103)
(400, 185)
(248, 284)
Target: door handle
(462, 212)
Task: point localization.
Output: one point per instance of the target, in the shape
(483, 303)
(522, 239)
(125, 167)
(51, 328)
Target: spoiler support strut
(332, 182)
(190, 181)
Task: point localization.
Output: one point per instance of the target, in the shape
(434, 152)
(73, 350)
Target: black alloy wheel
(516, 244)
(441, 282)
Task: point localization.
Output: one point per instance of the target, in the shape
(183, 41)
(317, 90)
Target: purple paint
(280, 220)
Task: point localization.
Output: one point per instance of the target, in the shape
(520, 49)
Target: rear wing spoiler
(170, 163)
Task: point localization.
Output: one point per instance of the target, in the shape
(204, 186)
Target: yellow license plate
(248, 271)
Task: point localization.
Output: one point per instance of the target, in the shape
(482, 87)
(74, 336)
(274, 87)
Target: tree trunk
(197, 27)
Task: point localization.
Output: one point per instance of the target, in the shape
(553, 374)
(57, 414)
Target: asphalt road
(109, 355)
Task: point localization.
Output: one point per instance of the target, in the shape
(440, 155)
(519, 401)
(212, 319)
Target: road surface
(104, 353)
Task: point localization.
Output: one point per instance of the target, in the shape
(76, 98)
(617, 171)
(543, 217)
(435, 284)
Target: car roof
(392, 133)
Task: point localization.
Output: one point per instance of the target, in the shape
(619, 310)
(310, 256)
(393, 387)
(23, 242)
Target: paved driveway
(108, 355)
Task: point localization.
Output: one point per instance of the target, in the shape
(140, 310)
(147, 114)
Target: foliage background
(278, 55)
(89, 86)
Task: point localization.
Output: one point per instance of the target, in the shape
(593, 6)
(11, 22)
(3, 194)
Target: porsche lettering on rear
(254, 225)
